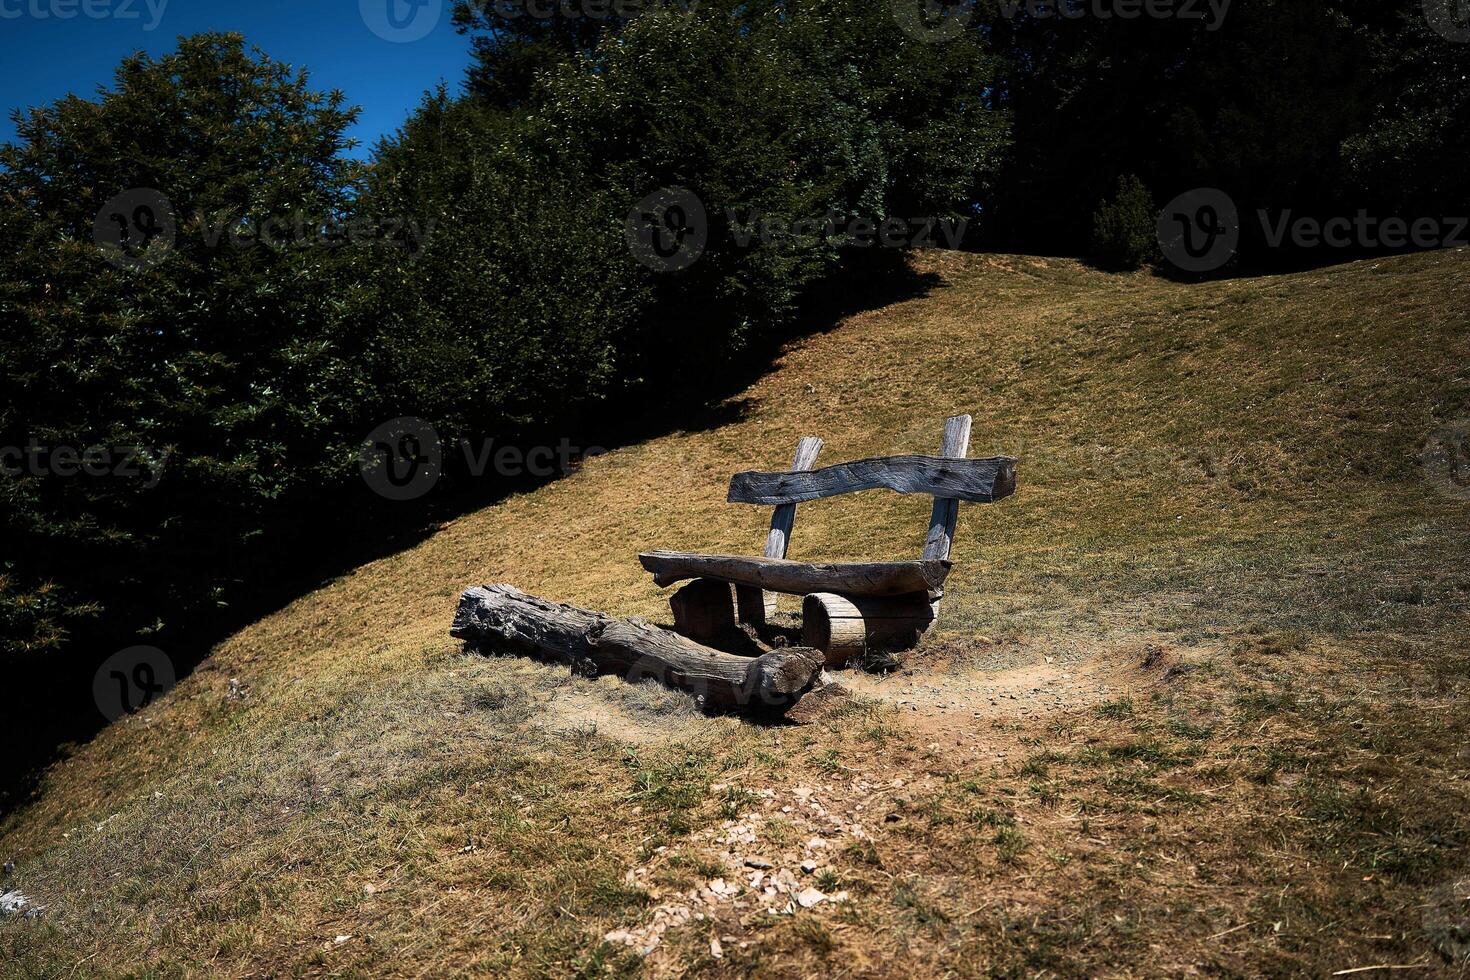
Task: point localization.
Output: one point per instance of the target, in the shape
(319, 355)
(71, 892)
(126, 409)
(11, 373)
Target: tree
(799, 117)
(515, 314)
(1123, 229)
(512, 47)
(1257, 104)
(1409, 159)
(213, 361)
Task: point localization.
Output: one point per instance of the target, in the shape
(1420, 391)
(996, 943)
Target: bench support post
(703, 610)
(946, 513)
(756, 605)
(845, 627)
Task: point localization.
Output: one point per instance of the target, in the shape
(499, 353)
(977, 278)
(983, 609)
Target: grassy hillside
(1198, 702)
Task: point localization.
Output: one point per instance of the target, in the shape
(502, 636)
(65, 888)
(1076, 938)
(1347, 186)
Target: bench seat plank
(877, 578)
(976, 480)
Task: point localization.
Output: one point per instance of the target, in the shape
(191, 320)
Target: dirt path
(772, 856)
(942, 703)
(931, 699)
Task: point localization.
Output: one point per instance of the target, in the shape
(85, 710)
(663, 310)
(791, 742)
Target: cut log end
(833, 625)
(781, 677)
(847, 627)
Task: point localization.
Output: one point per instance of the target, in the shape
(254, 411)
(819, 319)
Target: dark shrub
(1124, 234)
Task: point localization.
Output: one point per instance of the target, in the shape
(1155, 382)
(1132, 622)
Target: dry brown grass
(1226, 471)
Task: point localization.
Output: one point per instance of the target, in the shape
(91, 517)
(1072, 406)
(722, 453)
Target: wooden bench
(848, 606)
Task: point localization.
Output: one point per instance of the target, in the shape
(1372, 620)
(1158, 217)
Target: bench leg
(756, 606)
(703, 609)
(844, 627)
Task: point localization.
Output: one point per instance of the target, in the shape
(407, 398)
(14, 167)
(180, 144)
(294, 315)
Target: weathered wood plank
(799, 578)
(975, 480)
(495, 617)
(942, 520)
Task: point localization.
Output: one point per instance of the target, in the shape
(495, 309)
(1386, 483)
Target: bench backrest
(949, 478)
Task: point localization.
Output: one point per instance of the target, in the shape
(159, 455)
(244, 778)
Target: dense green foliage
(1123, 229)
(515, 310)
(1410, 159)
(1320, 106)
(223, 364)
(796, 116)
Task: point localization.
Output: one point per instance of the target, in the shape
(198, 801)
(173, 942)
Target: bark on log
(499, 616)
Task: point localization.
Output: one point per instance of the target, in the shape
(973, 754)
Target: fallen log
(498, 617)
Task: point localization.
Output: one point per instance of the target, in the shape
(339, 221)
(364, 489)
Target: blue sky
(382, 53)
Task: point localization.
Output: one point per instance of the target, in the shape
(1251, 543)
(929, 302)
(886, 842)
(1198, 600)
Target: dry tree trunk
(499, 616)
